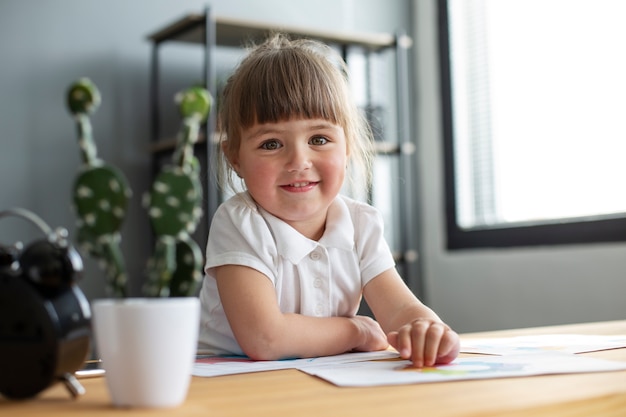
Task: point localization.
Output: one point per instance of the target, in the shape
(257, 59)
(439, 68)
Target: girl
(289, 258)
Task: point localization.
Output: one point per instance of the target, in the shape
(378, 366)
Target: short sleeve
(240, 236)
(373, 251)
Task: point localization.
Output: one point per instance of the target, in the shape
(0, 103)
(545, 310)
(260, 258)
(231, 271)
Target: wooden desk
(292, 393)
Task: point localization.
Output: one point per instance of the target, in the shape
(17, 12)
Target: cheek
(335, 166)
(256, 172)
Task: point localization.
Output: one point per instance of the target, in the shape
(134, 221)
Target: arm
(265, 333)
(412, 328)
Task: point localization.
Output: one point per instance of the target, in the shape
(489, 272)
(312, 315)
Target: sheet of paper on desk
(227, 365)
(570, 343)
(376, 373)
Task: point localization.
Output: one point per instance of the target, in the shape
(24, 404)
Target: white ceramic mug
(147, 347)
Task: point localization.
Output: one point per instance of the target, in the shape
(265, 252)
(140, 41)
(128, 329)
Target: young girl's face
(294, 169)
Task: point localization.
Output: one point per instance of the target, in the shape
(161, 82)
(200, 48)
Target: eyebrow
(325, 125)
(265, 129)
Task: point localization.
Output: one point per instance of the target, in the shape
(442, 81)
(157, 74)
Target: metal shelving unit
(211, 31)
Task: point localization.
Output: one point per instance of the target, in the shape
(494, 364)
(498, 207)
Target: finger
(403, 343)
(432, 343)
(449, 347)
(418, 341)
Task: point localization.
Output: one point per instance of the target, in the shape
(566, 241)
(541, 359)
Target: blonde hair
(282, 79)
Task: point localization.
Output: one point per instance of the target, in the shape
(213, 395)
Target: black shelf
(236, 32)
(209, 32)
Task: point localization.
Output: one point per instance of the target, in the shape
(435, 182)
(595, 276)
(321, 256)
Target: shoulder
(240, 204)
(240, 235)
(238, 210)
(367, 221)
(237, 219)
(370, 244)
(360, 211)
(371, 248)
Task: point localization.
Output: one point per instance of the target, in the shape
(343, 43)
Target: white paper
(227, 365)
(569, 343)
(375, 373)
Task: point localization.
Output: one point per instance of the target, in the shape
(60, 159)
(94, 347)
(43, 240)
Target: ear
(231, 157)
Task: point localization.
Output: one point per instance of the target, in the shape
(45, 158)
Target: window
(534, 97)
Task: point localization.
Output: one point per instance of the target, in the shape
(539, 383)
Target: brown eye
(318, 140)
(270, 145)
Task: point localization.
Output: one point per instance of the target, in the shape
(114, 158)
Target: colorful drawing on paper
(375, 373)
(466, 368)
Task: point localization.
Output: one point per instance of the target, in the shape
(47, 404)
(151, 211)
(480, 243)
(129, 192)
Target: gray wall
(493, 289)
(45, 45)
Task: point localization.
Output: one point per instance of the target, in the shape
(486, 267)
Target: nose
(298, 159)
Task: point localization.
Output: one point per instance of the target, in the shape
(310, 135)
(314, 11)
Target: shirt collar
(292, 245)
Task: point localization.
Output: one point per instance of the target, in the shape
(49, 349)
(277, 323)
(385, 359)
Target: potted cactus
(174, 202)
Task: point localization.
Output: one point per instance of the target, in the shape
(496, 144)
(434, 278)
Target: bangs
(290, 84)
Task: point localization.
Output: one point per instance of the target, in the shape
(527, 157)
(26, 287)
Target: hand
(372, 336)
(425, 342)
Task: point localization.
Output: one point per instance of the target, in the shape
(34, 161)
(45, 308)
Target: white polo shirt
(321, 278)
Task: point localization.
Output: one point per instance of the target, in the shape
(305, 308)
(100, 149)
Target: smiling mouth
(300, 185)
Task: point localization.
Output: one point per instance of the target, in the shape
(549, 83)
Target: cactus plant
(100, 192)
(174, 202)
(174, 206)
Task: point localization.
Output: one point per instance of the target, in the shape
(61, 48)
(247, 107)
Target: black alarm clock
(45, 319)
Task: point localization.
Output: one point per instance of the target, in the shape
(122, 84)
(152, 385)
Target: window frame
(560, 232)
